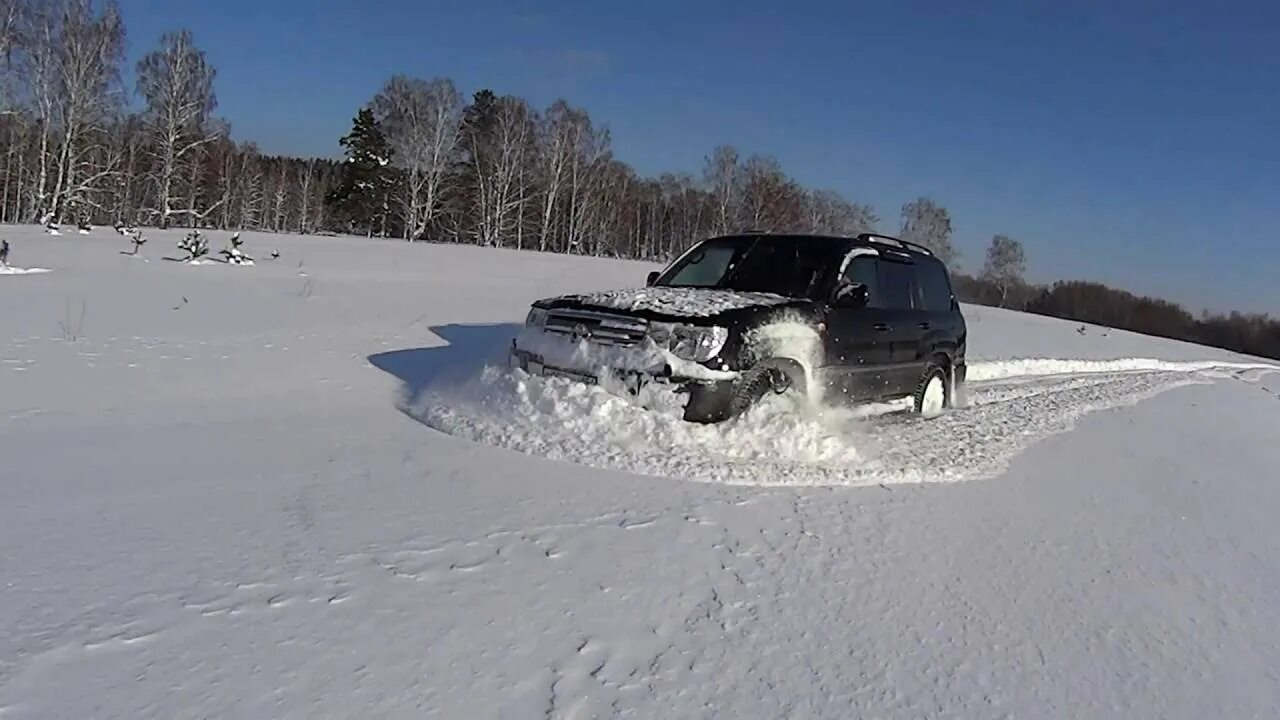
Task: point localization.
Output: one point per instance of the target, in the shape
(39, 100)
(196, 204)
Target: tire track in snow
(1011, 405)
(1045, 367)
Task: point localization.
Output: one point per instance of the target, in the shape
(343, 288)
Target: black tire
(777, 376)
(924, 402)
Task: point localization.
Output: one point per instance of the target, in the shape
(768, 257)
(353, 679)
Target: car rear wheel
(933, 394)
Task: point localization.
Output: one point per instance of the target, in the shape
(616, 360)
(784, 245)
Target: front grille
(602, 328)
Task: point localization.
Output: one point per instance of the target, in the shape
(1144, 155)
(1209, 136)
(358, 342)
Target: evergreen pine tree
(362, 198)
(194, 245)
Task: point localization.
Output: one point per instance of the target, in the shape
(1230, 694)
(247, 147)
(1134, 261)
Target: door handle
(924, 326)
(881, 327)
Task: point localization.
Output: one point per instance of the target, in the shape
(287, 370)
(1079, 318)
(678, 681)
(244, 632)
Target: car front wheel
(718, 402)
(771, 377)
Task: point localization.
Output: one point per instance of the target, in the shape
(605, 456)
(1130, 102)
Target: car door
(855, 337)
(906, 323)
(936, 302)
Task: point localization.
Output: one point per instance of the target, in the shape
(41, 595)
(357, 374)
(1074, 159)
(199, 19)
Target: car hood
(698, 305)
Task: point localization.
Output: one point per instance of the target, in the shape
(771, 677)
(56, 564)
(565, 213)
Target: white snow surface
(679, 301)
(298, 492)
(14, 270)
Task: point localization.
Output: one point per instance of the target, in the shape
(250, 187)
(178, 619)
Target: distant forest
(425, 163)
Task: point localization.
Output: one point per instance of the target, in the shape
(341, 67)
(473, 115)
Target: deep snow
(226, 493)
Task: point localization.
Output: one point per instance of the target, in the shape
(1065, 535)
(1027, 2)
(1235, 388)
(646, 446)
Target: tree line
(1001, 284)
(74, 152)
(423, 162)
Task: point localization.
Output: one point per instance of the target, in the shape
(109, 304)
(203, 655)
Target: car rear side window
(934, 293)
(896, 285)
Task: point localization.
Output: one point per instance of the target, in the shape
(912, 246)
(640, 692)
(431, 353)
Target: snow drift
(1011, 404)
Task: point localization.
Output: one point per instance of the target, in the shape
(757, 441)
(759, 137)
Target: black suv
(856, 319)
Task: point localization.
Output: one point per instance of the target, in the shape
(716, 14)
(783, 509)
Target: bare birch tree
(247, 188)
(771, 201)
(587, 163)
(421, 119)
(929, 224)
(690, 210)
(828, 213)
(74, 70)
(1005, 265)
(280, 196)
(556, 148)
(497, 135)
(306, 188)
(15, 16)
(176, 81)
(723, 178)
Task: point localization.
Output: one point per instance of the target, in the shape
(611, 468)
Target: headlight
(537, 317)
(698, 344)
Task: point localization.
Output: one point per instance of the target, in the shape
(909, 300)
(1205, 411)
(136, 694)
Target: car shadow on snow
(468, 348)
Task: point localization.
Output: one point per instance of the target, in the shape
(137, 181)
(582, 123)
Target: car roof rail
(898, 242)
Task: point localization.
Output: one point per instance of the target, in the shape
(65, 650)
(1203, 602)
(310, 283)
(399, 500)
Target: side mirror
(850, 295)
(653, 277)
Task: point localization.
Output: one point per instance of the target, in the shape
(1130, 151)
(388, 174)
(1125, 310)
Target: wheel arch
(793, 340)
(794, 368)
(943, 357)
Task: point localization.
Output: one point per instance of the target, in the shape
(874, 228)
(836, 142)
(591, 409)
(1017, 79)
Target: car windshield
(789, 266)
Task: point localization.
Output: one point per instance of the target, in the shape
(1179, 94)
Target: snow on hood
(679, 301)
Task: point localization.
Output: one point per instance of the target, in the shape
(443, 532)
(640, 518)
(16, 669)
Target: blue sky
(1135, 143)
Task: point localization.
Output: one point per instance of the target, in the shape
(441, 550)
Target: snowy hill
(289, 490)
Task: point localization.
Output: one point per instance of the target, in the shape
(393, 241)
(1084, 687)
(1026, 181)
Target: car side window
(862, 270)
(896, 285)
(934, 287)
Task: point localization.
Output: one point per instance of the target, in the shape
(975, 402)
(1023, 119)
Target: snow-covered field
(289, 490)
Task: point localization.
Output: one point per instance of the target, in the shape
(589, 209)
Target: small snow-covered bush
(233, 254)
(136, 237)
(194, 245)
(50, 225)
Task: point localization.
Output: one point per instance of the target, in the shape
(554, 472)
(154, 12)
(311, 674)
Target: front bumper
(631, 379)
